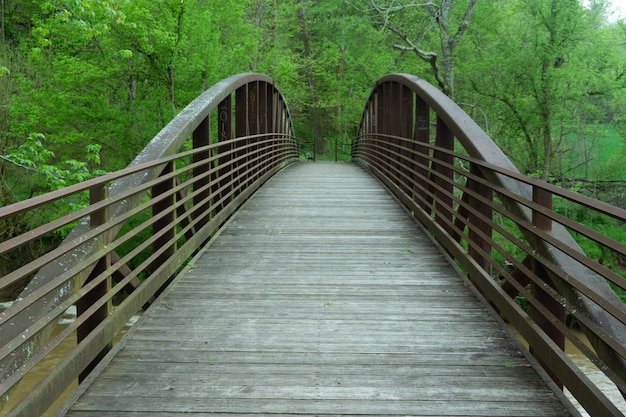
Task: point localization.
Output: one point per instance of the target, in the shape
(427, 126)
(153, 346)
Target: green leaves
(545, 73)
(49, 174)
(125, 53)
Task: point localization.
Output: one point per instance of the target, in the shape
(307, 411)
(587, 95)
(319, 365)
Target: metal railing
(141, 226)
(511, 234)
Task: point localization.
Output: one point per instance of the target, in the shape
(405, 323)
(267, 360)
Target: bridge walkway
(320, 297)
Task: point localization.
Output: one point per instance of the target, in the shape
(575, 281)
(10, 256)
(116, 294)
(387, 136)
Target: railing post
(379, 127)
(541, 222)
(202, 137)
(254, 125)
(267, 125)
(406, 132)
(442, 162)
(263, 126)
(242, 128)
(277, 121)
(421, 135)
(542, 198)
(167, 221)
(225, 172)
(96, 219)
(477, 225)
(385, 104)
(394, 128)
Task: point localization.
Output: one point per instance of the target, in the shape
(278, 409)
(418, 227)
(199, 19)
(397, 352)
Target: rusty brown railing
(141, 226)
(501, 229)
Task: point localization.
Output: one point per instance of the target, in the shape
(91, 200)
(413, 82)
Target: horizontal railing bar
(68, 219)
(555, 321)
(599, 206)
(50, 197)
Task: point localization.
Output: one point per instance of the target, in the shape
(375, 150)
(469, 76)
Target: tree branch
(426, 56)
(4, 158)
(463, 27)
(388, 10)
(384, 12)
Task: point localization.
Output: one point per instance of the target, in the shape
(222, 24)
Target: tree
(327, 77)
(308, 68)
(436, 49)
(545, 78)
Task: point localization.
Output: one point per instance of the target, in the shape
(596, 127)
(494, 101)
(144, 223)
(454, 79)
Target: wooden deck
(321, 297)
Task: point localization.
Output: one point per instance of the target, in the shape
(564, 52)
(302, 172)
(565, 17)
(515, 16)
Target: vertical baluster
(543, 198)
(167, 222)
(441, 162)
(265, 126)
(476, 224)
(202, 137)
(394, 128)
(406, 131)
(383, 125)
(97, 218)
(275, 125)
(225, 167)
(241, 129)
(254, 125)
(366, 130)
(377, 146)
(421, 135)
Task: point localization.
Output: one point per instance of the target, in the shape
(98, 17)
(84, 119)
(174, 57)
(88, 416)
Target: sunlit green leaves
(546, 74)
(125, 53)
(49, 174)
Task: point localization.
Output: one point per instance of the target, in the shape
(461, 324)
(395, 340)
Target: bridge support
(201, 138)
(100, 290)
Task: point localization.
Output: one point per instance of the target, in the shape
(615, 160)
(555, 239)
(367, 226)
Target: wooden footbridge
(268, 286)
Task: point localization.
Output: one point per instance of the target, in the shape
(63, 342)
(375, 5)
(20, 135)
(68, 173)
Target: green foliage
(49, 175)
(99, 78)
(596, 154)
(547, 71)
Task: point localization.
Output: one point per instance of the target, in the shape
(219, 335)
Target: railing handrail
(253, 140)
(421, 168)
(65, 192)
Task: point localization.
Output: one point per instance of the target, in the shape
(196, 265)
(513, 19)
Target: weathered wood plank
(320, 297)
(319, 406)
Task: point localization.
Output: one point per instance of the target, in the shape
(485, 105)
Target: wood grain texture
(320, 297)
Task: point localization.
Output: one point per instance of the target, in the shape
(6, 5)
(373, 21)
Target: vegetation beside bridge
(85, 84)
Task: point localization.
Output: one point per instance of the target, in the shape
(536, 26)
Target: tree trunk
(547, 149)
(446, 68)
(319, 144)
(2, 20)
(442, 63)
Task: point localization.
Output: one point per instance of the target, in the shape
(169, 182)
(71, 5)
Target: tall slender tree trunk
(2, 20)
(442, 62)
(546, 121)
(446, 67)
(319, 143)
